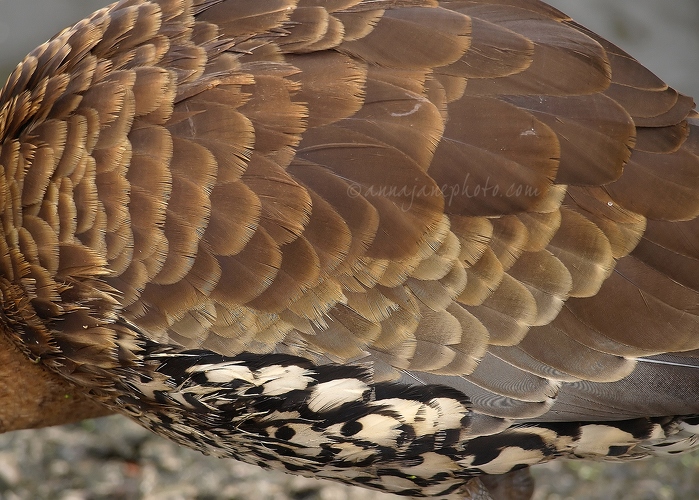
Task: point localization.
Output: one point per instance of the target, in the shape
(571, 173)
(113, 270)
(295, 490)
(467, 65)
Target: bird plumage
(398, 244)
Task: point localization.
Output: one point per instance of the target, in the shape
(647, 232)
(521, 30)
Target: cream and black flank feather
(395, 243)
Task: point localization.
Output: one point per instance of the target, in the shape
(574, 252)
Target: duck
(410, 245)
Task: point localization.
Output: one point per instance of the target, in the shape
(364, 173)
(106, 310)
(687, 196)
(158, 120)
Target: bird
(408, 245)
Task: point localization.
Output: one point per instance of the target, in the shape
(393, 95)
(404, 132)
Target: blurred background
(114, 458)
(662, 35)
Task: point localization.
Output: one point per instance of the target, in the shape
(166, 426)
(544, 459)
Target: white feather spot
(432, 464)
(509, 457)
(380, 429)
(277, 380)
(331, 395)
(451, 412)
(224, 372)
(596, 439)
(350, 452)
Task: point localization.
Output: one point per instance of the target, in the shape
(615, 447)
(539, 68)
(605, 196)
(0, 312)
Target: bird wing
(482, 195)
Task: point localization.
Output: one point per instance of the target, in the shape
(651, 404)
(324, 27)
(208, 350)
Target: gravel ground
(113, 458)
